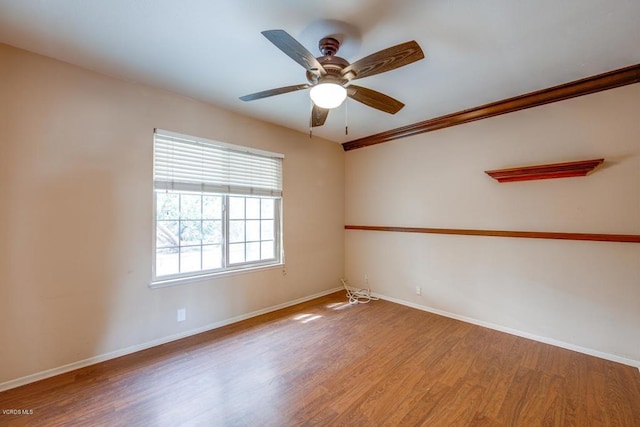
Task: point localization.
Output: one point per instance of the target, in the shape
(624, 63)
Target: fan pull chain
(310, 118)
(346, 117)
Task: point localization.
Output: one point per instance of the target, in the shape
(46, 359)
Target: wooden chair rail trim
(600, 82)
(624, 238)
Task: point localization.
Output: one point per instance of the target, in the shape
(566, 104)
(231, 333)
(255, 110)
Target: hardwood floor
(328, 363)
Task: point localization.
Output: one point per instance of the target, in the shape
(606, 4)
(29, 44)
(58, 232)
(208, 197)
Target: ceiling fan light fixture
(328, 95)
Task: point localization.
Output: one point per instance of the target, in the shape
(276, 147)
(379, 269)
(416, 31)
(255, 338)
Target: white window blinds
(187, 163)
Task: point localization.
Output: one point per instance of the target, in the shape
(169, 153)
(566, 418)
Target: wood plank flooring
(329, 363)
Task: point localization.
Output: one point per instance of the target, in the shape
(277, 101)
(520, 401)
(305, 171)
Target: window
(217, 207)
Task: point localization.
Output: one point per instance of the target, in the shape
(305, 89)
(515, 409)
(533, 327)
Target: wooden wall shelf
(555, 170)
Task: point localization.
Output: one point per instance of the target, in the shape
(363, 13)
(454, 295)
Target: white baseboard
(123, 352)
(551, 341)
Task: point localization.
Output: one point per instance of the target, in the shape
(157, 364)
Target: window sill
(209, 276)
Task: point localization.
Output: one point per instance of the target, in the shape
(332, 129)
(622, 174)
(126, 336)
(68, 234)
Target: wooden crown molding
(555, 170)
(600, 82)
(622, 238)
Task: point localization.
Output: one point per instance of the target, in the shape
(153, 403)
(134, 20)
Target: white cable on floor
(362, 296)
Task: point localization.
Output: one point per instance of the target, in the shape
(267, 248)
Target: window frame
(226, 267)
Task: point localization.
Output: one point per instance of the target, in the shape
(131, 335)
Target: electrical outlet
(366, 278)
(181, 315)
(418, 290)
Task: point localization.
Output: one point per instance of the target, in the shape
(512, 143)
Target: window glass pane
(211, 207)
(266, 229)
(166, 234)
(253, 251)
(167, 205)
(236, 231)
(267, 209)
(253, 230)
(236, 253)
(211, 257)
(267, 250)
(236, 207)
(167, 261)
(211, 231)
(253, 208)
(190, 233)
(190, 259)
(190, 207)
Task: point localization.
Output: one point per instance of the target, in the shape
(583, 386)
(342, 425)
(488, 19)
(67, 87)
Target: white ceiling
(477, 51)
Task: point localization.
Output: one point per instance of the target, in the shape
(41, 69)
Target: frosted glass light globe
(328, 95)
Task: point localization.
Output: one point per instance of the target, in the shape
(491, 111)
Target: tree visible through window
(212, 230)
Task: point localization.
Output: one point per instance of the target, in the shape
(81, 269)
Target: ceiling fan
(330, 76)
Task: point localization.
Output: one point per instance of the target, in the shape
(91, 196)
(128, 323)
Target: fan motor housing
(333, 65)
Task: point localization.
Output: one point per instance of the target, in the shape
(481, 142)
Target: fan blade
(272, 92)
(385, 60)
(290, 46)
(374, 99)
(318, 116)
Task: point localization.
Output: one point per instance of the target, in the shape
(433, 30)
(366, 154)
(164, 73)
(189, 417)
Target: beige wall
(584, 295)
(76, 216)
(75, 219)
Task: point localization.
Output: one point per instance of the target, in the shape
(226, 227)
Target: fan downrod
(329, 46)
